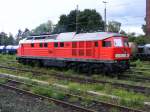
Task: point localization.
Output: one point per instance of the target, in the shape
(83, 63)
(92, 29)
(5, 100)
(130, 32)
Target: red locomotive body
(100, 51)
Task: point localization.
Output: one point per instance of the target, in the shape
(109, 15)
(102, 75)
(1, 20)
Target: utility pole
(77, 10)
(105, 16)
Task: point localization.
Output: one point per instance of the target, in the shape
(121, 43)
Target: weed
(2, 81)
(59, 96)
(73, 99)
(114, 110)
(42, 91)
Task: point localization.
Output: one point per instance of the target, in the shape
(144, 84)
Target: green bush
(140, 40)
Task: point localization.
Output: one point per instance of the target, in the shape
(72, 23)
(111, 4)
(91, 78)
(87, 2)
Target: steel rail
(108, 105)
(59, 102)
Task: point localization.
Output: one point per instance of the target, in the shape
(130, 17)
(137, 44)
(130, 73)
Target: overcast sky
(19, 14)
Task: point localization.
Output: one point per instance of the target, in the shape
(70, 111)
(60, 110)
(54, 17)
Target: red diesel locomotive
(85, 52)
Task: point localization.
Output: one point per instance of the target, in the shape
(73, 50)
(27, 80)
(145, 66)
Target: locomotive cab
(117, 49)
(121, 51)
(121, 48)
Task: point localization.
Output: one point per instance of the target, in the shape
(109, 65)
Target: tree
(139, 40)
(144, 27)
(90, 21)
(87, 21)
(66, 23)
(62, 24)
(10, 40)
(19, 34)
(44, 28)
(26, 33)
(114, 26)
(5, 39)
(123, 32)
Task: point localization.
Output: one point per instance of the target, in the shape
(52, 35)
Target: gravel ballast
(11, 101)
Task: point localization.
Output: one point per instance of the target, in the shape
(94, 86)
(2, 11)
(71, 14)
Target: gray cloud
(17, 14)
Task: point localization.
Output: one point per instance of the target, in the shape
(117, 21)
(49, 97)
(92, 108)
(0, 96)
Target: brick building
(148, 16)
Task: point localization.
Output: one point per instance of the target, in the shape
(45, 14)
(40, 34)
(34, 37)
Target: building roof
(70, 36)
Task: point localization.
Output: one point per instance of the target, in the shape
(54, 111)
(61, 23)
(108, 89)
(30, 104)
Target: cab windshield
(118, 42)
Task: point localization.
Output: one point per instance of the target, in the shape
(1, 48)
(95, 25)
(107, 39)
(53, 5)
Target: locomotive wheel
(31, 63)
(38, 63)
(72, 66)
(90, 70)
(97, 68)
(24, 62)
(106, 71)
(83, 68)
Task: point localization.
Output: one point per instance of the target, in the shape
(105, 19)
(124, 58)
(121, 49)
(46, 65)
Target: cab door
(96, 49)
(106, 51)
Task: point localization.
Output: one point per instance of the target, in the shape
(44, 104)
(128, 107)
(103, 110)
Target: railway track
(94, 106)
(128, 76)
(61, 76)
(11, 85)
(134, 78)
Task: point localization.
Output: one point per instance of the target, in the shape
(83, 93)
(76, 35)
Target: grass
(2, 81)
(130, 99)
(70, 72)
(142, 68)
(127, 98)
(8, 57)
(98, 76)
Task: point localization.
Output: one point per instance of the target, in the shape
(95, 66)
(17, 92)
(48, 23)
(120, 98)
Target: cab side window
(41, 45)
(45, 44)
(32, 45)
(96, 44)
(61, 44)
(56, 44)
(106, 44)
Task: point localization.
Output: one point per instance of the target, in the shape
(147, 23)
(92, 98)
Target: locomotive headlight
(121, 55)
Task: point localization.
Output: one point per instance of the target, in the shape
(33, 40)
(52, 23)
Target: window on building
(32, 45)
(62, 44)
(45, 44)
(41, 45)
(56, 44)
(106, 43)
